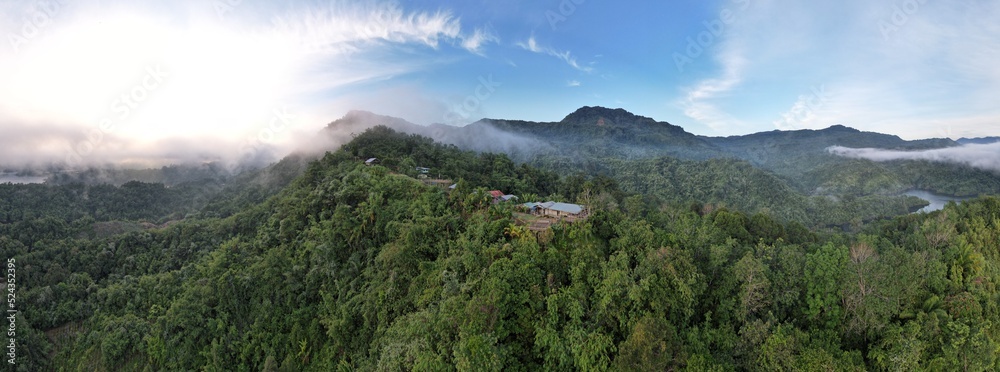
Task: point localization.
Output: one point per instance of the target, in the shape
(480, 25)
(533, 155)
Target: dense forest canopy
(348, 266)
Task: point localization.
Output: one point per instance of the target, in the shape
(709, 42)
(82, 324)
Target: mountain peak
(357, 116)
(602, 116)
(354, 113)
(842, 128)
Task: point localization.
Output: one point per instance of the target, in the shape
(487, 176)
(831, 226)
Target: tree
(866, 293)
(824, 270)
(755, 286)
(900, 349)
(651, 346)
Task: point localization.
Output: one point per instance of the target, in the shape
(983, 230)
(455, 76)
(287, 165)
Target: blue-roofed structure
(565, 208)
(555, 209)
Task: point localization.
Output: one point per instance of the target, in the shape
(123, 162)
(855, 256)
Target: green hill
(598, 131)
(590, 137)
(356, 267)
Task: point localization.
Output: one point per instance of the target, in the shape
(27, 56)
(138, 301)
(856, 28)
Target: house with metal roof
(496, 194)
(555, 209)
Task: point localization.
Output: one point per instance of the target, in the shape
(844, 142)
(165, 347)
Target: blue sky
(223, 71)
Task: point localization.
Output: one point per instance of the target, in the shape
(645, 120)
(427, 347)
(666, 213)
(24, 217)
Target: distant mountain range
(979, 141)
(599, 130)
(587, 139)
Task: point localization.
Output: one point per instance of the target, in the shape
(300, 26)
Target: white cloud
(936, 68)
(532, 45)
(573, 83)
(978, 156)
(478, 39)
(345, 27)
(224, 74)
(700, 102)
(806, 111)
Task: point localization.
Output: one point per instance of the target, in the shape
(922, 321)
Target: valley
(687, 245)
(565, 185)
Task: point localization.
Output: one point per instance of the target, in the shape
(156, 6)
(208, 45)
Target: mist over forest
(688, 245)
(564, 185)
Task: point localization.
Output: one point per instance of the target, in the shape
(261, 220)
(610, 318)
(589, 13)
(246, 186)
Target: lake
(937, 201)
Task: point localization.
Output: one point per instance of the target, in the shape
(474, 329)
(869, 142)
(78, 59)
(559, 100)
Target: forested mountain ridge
(791, 168)
(588, 138)
(795, 152)
(618, 125)
(821, 139)
(355, 267)
(597, 131)
(980, 141)
(476, 136)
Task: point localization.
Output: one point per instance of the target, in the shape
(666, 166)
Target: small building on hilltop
(554, 209)
(496, 194)
(371, 161)
(532, 208)
(499, 196)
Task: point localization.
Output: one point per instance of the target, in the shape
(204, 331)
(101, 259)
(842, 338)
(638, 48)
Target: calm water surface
(937, 201)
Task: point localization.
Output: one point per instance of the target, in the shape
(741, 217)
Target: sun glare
(152, 79)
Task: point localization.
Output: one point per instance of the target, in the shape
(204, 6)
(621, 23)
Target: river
(937, 201)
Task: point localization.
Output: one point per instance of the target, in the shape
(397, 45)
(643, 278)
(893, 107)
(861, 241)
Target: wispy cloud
(934, 69)
(978, 156)
(573, 83)
(700, 102)
(344, 27)
(532, 45)
(805, 112)
(479, 38)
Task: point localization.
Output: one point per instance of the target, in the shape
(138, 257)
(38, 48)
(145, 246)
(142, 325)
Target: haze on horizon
(142, 81)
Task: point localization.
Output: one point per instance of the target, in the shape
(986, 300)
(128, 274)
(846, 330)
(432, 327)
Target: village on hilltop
(538, 216)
